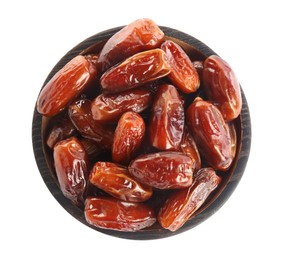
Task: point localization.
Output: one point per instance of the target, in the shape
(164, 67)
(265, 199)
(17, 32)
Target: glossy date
(116, 180)
(128, 137)
(211, 134)
(141, 35)
(71, 165)
(135, 71)
(183, 74)
(182, 204)
(164, 170)
(111, 213)
(109, 108)
(167, 120)
(222, 87)
(65, 86)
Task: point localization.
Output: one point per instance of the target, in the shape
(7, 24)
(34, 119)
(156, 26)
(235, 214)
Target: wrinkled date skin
(70, 160)
(222, 87)
(111, 213)
(183, 74)
(109, 108)
(181, 205)
(128, 137)
(62, 129)
(167, 120)
(188, 147)
(164, 170)
(65, 86)
(211, 134)
(116, 180)
(141, 35)
(81, 116)
(135, 71)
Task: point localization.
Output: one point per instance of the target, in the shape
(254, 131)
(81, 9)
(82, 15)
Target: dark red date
(128, 137)
(109, 108)
(222, 87)
(116, 180)
(167, 120)
(81, 116)
(164, 170)
(71, 166)
(182, 204)
(110, 213)
(65, 86)
(141, 35)
(135, 71)
(183, 74)
(211, 134)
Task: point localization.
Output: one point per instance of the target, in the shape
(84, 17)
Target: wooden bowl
(197, 51)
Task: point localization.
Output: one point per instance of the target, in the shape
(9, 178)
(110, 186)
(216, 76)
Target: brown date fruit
(222, 87)
(167, 120)
(71, 165)
(81, 116)
(62, 129)
(164, 170)
(188, 147)
(135, 71)
(109, 108)
(182, 204)
(116, 180)
(211, 134)
(111, 213)
(141, 35)
(65, 86)
(128, 137)
(183, 74)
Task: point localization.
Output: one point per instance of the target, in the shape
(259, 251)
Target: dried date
(182, 204)
(71, 164)
(135, 71)
(116, 180)
(65, 86)
(128, 137)
(109, 108)
(211, 134)
(183, 74)
(222, 87)
(141, 35)
(164, 170)
(111, 213)
(167, 120)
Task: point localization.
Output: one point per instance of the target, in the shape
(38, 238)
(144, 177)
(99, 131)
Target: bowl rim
(38, 146)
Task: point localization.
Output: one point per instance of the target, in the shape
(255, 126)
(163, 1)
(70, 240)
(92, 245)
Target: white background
(36, 34)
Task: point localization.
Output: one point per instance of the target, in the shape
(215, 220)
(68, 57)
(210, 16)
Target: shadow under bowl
(197, 51)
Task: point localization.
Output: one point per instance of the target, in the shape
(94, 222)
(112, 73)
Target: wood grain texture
(197, 50)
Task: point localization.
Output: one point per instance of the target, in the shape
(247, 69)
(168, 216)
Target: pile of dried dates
(139, 132)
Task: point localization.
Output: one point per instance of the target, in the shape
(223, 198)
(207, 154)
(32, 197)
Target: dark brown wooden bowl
(197, 51)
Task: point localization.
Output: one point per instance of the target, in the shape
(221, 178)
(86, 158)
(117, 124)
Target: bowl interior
(43, 155)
